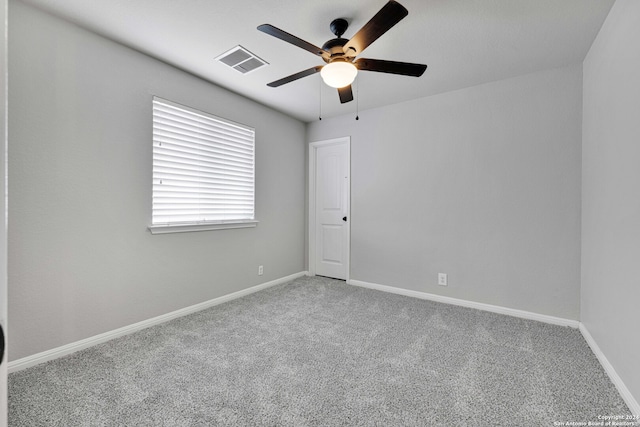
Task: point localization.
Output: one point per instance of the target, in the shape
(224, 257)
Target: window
(203, 171)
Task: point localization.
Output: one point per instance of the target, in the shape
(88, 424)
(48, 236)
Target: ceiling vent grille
(241, 60)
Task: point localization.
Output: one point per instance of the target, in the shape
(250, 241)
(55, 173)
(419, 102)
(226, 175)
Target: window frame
(205, 225)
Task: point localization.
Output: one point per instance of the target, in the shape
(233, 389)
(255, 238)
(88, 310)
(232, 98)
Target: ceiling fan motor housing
(334, 47)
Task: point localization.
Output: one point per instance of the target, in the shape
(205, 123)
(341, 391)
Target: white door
(330, 225)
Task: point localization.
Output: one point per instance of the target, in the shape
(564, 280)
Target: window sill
(188, 228)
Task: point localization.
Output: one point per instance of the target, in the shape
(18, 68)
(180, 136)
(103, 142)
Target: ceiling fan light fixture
(339, 74)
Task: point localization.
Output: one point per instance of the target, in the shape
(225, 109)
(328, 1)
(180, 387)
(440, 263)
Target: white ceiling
(463, 42)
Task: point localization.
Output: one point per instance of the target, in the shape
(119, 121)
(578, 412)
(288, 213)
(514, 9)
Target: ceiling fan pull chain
(357, 97)
(320, 97)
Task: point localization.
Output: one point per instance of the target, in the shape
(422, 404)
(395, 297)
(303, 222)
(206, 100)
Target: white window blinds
(203, 167)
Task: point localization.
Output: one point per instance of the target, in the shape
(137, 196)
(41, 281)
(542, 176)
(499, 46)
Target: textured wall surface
(610, 192)
(482, 184)
(81, 259)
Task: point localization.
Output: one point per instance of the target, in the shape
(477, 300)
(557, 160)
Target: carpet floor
(319, 352)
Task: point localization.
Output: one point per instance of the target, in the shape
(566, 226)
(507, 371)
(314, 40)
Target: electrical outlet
(260, 270)
(442, 279)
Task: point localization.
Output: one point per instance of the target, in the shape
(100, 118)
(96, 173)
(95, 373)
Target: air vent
(241, 60)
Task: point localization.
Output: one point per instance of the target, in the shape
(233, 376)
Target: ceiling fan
(340, 54)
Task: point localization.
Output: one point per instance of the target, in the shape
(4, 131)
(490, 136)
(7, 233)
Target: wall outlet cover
(442, 279)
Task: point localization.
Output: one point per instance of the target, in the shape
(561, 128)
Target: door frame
(4, 77)
(313, 150)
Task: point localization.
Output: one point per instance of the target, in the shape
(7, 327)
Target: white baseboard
(45, 356)
(470, 304)
(628, 398)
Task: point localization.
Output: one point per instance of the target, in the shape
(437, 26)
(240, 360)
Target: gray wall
(81, 261)
(611, 192)
(481, 183)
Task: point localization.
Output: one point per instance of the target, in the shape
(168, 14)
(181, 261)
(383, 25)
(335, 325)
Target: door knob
(344, 218)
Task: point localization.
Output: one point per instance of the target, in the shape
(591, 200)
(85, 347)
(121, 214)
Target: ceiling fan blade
(346, 94)
(393, 67)
(390, 14)
(290, 38)
(295, 76)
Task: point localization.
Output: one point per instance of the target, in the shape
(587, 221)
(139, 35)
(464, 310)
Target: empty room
(303, 213)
